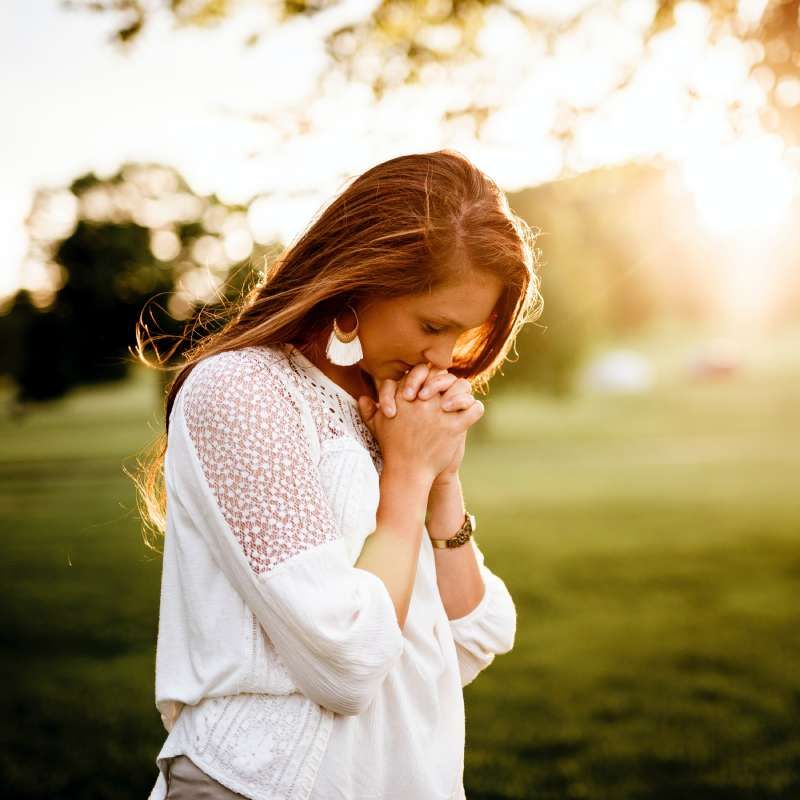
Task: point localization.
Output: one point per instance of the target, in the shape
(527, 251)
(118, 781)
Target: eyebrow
(453, 322)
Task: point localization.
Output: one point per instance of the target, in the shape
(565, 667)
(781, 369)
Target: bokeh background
(636, 473)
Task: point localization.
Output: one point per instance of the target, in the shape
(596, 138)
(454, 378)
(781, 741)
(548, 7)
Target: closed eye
(430, 329)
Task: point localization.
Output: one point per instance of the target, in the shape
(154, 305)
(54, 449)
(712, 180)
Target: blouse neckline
(311, 367)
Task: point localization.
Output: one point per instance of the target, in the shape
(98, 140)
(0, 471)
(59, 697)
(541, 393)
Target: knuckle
(435, 385)
(418, 371)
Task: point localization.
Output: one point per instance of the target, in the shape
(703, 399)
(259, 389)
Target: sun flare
(745, 186)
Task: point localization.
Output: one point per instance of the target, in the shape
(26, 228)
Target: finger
(367, 407)
(386, 399)
(439, 382)
(460, 386)
(413, 379)
(472, 414)
(459, 402)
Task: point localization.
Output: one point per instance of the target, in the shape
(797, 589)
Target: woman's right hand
(421, 436)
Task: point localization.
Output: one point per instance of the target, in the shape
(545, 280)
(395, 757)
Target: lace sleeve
(250, 439)
(242, 479)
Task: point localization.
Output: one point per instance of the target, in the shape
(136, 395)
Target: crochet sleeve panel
(243, 481)
(249, 435)
(489, 629)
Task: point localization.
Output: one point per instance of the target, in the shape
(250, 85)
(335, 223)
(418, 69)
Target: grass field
(651, 543)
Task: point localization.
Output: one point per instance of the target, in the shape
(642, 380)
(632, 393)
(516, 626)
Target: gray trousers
(186, 781)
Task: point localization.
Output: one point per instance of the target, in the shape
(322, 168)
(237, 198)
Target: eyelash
(430, 329)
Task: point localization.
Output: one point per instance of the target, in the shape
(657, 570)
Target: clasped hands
(423, 381)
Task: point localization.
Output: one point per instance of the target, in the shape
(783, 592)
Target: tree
(399, 42)
(119, 246)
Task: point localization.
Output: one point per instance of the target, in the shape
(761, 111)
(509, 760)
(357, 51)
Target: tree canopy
(137, 246)
(397, 42)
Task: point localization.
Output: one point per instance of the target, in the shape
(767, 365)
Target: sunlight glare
(743, 186)
(751, 11)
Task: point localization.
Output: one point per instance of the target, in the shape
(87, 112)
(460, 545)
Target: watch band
(461, 536)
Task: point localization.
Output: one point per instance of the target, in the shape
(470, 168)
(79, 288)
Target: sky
(73, 103)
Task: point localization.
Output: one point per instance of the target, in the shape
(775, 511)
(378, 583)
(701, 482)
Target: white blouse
(281, 669)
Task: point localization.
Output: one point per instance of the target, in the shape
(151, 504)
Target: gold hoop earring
(344, 348)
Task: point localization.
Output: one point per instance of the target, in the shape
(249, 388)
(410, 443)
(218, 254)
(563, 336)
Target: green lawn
(651, 543)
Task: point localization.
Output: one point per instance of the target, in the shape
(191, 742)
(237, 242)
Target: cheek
(390, 337)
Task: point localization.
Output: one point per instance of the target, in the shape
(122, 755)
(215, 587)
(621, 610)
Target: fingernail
(408, 393)
(447, 406)
(424, 393)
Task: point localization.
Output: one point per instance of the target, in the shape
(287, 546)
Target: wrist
(411, 474)
(403, 498)
(445, 506)
(443, 480)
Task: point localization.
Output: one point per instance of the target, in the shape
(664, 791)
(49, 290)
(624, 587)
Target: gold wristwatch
(461, 536)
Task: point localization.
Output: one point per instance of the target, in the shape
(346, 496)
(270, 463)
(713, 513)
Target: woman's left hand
(423, 382)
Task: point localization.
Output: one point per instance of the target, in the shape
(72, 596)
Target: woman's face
(396, 334)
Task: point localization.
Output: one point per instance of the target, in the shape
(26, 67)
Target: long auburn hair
(405, 226)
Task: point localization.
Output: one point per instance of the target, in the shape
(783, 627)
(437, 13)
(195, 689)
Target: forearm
(457, 572)
(391, 551)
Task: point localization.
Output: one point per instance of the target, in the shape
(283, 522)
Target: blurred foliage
(115, 247)
(397, 42)
(623, 251)
(621, 246)
(125, 243)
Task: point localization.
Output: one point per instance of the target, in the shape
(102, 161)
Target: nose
(440, 357)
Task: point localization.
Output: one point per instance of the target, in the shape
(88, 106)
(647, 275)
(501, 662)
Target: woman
(323, 600)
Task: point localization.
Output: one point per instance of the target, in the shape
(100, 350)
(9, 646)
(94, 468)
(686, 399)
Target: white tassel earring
(343, 348)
